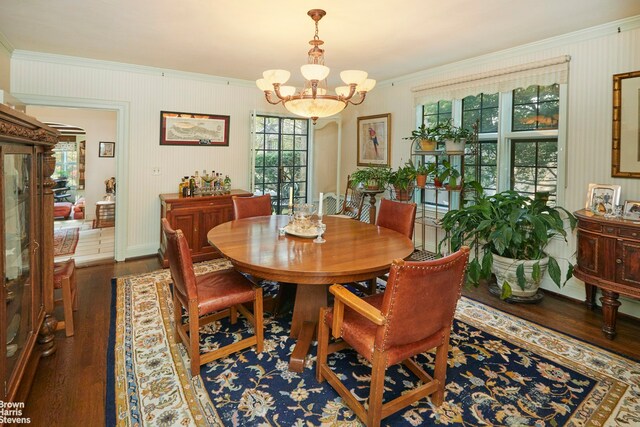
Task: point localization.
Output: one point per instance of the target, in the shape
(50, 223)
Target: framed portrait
(374, 140)
(193, 129)
(631, 210)
(625, 158)
(107, 149)
(602, 199)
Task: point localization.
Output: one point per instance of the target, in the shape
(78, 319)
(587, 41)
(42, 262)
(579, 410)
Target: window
(436, 112)
(66, 155)
(517, 137)
(483, 109)
(281, 148)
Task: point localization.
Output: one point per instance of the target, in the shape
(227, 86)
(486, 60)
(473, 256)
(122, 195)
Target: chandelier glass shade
(314, 101)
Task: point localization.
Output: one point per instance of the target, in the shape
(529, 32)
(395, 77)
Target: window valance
(544, 72)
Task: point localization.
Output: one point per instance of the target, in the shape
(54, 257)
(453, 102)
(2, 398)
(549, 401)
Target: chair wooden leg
(440, 372)
(371, 286)
(233, 314)
(259, 320)
(67, 304)
(177, 317)
(323, 342)
(374, 413)
(74, 290)
(194, 338)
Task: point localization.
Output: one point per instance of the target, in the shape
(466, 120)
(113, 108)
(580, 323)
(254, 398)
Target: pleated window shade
(544, 73)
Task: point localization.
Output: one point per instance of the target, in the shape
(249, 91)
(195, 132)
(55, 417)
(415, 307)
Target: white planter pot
(451, 146)
(505, 271)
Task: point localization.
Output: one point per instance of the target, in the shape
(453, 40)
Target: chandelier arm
(352, 91)
(363, 95)
(267, 95)
(276, 88)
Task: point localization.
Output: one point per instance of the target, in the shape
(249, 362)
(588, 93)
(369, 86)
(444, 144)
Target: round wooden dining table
(353, 251)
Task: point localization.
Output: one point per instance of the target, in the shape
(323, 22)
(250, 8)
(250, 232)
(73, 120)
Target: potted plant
(449, 173)
(372, 177)
(403, 181)
(426, 137)
(422, 172)
(454, 137)
(512, 232)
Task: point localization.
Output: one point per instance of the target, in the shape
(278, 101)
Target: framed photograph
(602, 199)
(625, 158)
(107, 149)
(374, 140)
(193, 129)
(631, 210)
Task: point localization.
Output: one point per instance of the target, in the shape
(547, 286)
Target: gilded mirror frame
(625, 159)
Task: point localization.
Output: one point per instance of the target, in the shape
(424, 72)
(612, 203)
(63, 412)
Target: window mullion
(505, 102)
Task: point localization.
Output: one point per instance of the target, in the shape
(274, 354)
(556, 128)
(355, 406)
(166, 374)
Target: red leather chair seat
(62, 209)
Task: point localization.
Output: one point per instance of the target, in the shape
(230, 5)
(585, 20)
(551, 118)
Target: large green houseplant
(508, 229)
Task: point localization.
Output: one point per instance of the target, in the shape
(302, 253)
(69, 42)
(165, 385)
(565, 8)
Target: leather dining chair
(213, 295)
(397, 216)
(413, 315)
(247, 207)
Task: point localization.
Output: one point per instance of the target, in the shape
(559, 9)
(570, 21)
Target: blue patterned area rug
(502, 371)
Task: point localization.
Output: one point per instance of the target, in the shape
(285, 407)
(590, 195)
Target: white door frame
(122, 160)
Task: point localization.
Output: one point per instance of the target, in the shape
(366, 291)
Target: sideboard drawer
(591, 226)
(632, 233)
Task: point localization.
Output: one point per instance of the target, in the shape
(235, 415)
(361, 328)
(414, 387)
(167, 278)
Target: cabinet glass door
(16, 198)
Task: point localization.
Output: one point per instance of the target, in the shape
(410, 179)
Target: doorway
(81, 173)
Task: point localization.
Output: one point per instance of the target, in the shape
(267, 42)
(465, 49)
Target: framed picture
(193, 129)
(374, 140)
(602, 199)
(107, 149)
(625, 158)
(631, 210)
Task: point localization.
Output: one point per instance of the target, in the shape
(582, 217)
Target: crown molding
(76, 61)
(5, 43)
(611, 28)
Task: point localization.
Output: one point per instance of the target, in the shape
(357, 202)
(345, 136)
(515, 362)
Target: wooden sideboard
(608, 258)
(195, 216)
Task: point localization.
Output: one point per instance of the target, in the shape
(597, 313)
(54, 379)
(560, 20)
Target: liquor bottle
(192, 186)
(180, 188)
(227, 184)
(185, 187)
(196, 177)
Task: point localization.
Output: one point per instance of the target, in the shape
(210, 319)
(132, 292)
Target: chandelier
(313, 101)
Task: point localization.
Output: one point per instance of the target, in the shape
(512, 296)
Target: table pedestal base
(309, 300)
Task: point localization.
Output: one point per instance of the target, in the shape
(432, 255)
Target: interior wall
(5, 68)
(596, 54)
(99, 125)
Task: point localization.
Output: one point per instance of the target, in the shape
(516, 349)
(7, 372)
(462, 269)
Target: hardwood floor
(70, 386)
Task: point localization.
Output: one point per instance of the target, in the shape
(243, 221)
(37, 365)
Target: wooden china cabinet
(608, 258)
(195, 216)
(26, 245)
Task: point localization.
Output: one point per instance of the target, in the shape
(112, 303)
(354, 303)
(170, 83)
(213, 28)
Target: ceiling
(240, 39)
